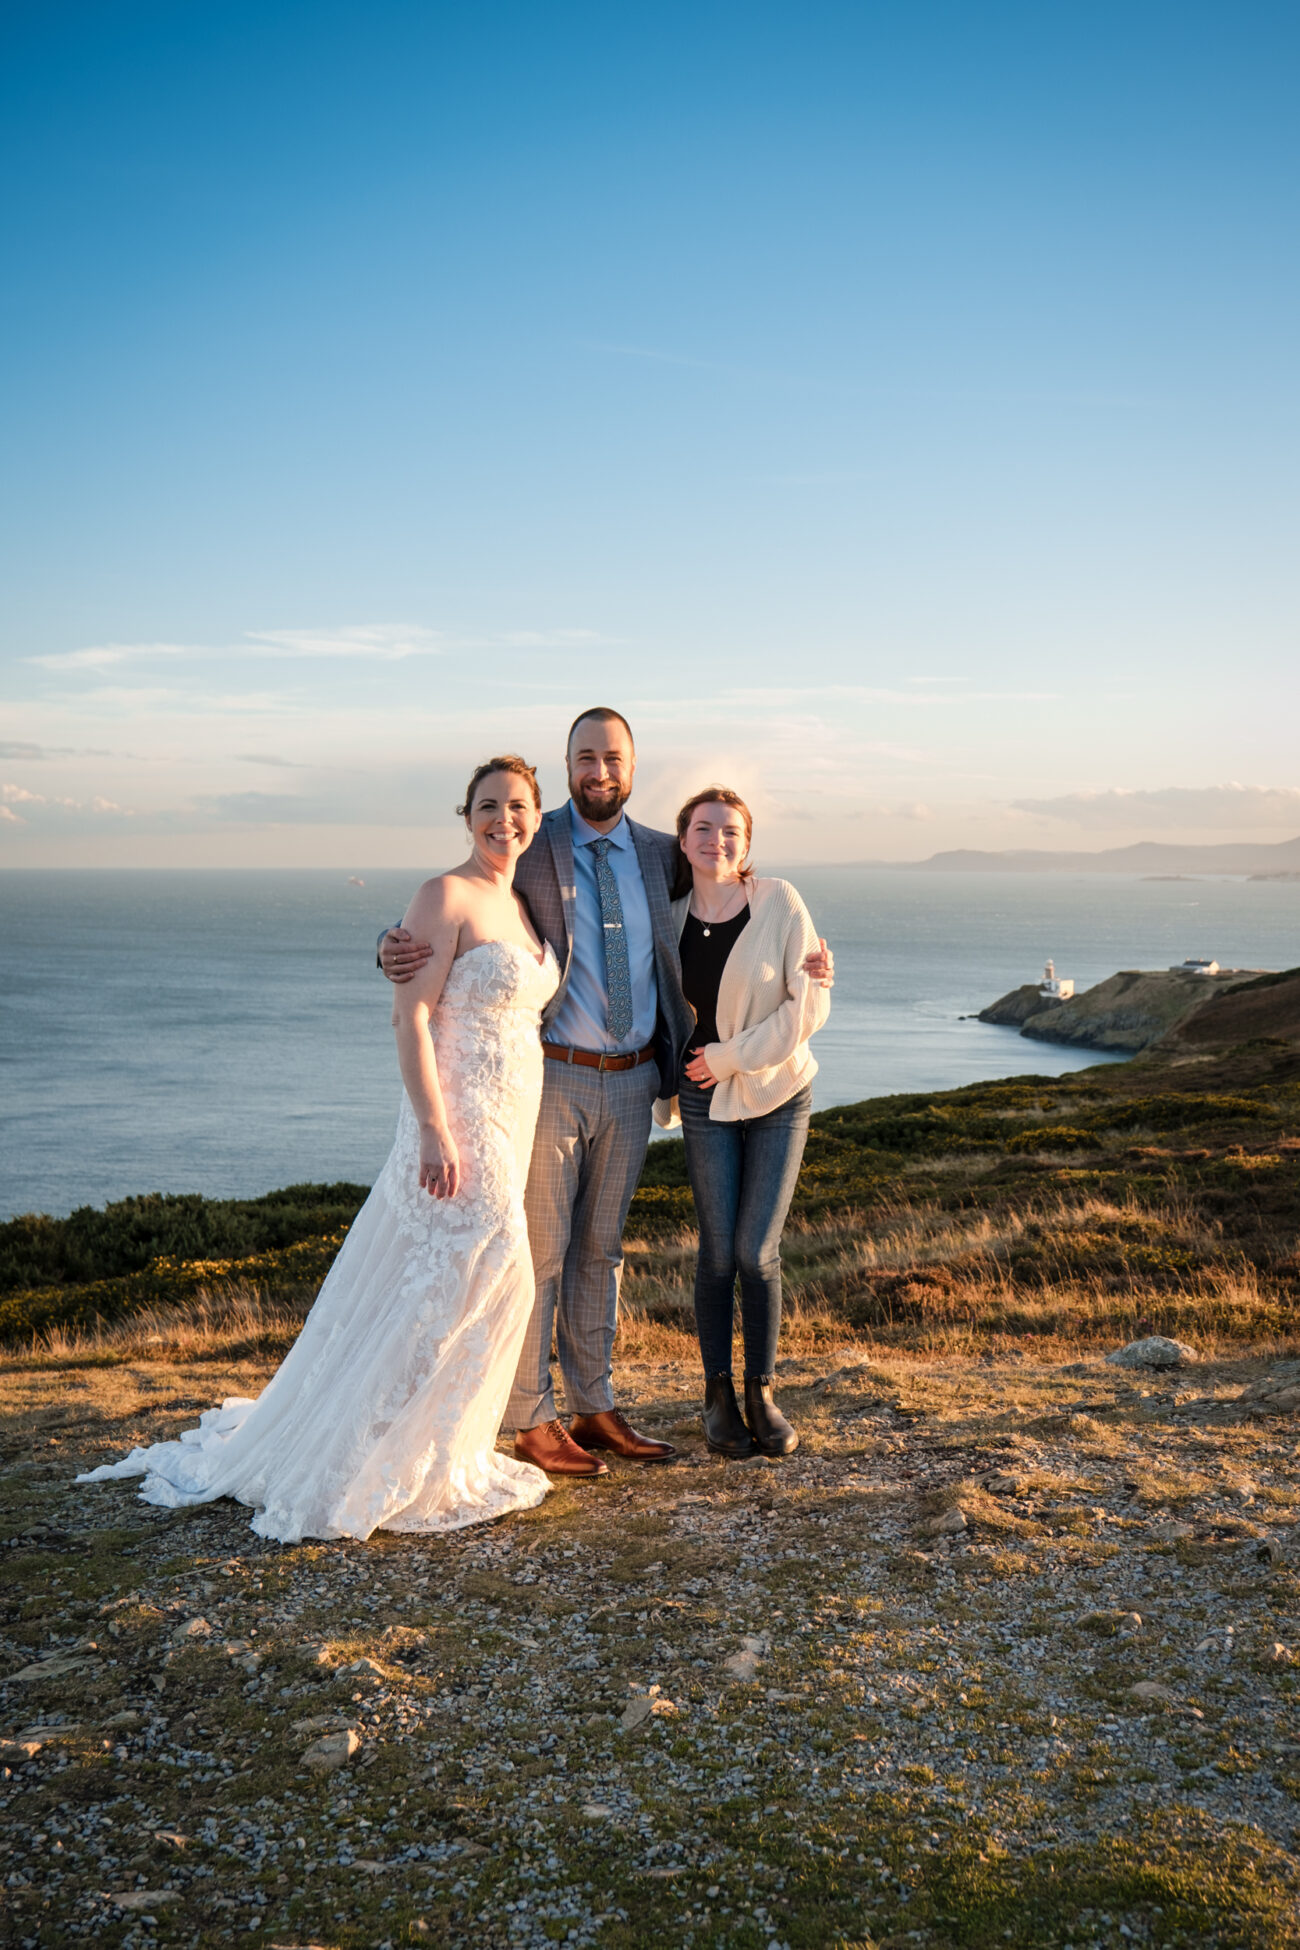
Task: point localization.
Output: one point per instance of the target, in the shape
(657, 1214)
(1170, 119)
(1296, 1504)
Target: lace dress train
(384, 1413)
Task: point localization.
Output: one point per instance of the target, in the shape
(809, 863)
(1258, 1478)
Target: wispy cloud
(385, 642)
(276, 809)
(814, 800)
(203, 704)
(552, 640)
(43, 808)
(18, 795)
(878, 694)
(391, 643)
(107, 656)
(24, 749)
(1176, 806)
(359, 643)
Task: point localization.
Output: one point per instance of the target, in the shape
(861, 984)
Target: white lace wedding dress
(385, 1411)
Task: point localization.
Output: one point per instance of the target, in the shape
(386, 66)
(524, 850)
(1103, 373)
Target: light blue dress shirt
(582, 1019)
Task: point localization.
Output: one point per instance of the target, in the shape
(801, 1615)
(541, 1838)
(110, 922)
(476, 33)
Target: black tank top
(705, 947)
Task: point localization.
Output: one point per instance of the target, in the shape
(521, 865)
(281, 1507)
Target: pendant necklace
(707, 927)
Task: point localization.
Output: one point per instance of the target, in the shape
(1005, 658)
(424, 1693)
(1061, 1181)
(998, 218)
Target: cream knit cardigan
(767, 1009)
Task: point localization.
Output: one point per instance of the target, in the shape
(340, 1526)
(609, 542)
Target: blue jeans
(742, 1179)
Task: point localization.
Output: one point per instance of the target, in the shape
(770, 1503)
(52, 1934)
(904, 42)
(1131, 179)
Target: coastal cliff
(1014, 1009)
(1126, 1013)
(1266, 1008)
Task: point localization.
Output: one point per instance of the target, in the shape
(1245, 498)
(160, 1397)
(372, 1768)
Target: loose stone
(334, 1751)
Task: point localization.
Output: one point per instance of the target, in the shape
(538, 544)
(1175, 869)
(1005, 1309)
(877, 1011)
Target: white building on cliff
(1054, 987)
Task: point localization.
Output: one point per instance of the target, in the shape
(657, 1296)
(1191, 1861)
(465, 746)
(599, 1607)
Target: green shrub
(131, 1233)
(1173, 1111)
(1053, 1137)
(294, 1272)
(665, 1164)
(935, 1129)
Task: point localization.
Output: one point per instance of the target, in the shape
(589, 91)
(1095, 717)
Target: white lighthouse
(1054, 987)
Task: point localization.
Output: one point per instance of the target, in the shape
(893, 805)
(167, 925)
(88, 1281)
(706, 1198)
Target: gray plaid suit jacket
(545, 878)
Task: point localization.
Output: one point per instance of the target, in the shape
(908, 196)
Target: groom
(599, 888)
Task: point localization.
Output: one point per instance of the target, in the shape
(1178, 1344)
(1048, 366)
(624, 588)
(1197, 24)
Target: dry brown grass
(835, 1255)
(949, 1290)
(984, 1318)
(222, 1325)
(934, 1280)
(911, 1278)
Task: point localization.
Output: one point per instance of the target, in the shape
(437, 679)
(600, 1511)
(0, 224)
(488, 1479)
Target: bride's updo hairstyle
(716, 795)
(508, 762)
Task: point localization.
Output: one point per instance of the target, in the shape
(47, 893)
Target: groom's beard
(600, 801)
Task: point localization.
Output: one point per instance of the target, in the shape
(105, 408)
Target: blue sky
(891, 408)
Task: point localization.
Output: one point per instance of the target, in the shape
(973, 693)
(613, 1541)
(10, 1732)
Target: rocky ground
(1002, 1655)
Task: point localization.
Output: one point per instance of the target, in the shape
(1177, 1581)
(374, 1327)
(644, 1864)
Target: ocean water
(228, 1033)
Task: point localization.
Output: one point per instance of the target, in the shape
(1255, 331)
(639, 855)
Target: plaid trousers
(590, 1145)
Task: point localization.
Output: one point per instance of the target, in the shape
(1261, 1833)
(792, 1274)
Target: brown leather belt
(590, 1059)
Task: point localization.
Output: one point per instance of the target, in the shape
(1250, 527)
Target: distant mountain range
(1146, 857)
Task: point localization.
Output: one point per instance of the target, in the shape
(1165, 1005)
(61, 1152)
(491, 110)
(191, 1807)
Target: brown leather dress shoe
(550, 1447)
(611, 1430)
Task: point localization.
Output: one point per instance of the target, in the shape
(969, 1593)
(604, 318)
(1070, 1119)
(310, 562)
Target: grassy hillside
(1269, 1006)
(1159, 1195)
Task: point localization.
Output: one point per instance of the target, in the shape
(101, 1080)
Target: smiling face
(716, 840)
(503, 816)
(601, 763)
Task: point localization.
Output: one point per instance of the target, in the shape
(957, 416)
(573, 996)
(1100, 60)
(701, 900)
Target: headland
(1141, 1009)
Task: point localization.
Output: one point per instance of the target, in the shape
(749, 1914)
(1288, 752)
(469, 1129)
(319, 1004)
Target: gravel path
(1003, 1654)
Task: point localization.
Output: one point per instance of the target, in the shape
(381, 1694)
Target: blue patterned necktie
(618, 981)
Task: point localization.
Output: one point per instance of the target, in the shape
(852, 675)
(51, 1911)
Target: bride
(385, 1411)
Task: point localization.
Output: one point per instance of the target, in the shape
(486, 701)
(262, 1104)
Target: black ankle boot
(771, 1431)
(724, 1431)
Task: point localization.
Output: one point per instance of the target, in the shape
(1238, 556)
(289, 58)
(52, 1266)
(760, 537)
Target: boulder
(1277, 1393)
(743, 1665)
(59, 1665)
(193, 1628)
(13, 1753)
(949, 1523)
(334, 1751)
(1154, 1352)
(1152, 1692)
(999, 1483)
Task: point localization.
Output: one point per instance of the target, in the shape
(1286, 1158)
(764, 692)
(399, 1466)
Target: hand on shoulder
(818, 963)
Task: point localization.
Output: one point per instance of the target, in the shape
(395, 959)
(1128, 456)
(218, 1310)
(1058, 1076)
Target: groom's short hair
(604, 714)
